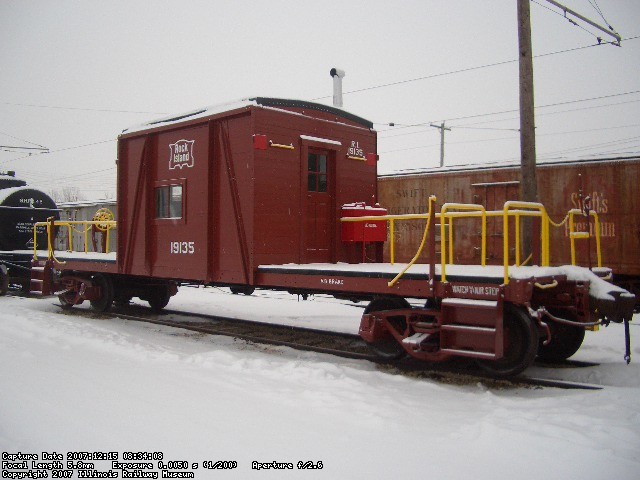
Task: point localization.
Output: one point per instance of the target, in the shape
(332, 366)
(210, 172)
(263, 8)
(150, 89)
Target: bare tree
(66, 194)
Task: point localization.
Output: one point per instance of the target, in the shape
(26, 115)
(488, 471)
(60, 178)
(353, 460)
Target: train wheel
(103, 303)
(565, 341)
(245, 290)
(520, 344)
(67, 299)
(388, 348)
(120, 300)
(159, 298)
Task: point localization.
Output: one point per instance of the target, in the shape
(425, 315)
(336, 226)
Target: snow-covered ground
(69, 383)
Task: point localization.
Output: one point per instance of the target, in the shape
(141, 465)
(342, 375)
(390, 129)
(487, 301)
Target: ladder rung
(468, 328)
(425, 325)
(469, 353)
(415, 339)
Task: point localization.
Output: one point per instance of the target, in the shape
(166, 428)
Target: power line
(469, 69)
(550, 105)
(621, 141)
(23, 140)
(502, 112)
(567, 11)
(56, 107)
(569, 132)
(59, 150)
(572, 22)
(553, 113)
(595, 5)
(12, 148)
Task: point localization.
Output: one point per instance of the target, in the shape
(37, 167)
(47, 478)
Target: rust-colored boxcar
(209, 196)
(611, 185)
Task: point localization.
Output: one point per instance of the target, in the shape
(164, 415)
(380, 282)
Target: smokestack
(337, 75)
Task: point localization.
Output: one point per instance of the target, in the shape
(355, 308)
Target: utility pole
(528, 186)
(528, 183)
(442, 129)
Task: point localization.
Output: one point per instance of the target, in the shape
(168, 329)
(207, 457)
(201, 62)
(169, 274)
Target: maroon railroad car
(610, 184)
(262, 193)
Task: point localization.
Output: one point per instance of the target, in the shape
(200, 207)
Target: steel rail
(233, 326)
(409, 367)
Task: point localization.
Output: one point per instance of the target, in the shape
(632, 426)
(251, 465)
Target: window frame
(170, 184)
(317, 172)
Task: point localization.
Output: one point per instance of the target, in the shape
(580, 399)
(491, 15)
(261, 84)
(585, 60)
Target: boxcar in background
(612, 185)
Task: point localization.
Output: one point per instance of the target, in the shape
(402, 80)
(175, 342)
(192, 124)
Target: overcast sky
(76, 73)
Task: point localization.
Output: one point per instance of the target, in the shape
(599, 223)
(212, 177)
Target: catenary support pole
(528, 185)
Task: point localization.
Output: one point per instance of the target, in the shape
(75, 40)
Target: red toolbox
(367, 231)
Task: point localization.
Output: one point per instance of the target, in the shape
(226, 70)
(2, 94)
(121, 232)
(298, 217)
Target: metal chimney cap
(336, 72)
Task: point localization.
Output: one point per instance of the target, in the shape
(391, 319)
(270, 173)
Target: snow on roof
(7, 176)
(364, 206)
(7, 192)
(192, 115)
(321, 140)
(264, 102)
(86, 203)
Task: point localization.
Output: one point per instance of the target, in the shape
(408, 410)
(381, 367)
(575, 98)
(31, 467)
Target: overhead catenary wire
(58, 150)
(597, 8)
(23, 140)
(84, 109)
(572, 22)
(410, 80)
(502, 112)
(567, 11)
(470, 69)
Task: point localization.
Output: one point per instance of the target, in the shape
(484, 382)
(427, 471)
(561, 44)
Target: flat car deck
(469, 281)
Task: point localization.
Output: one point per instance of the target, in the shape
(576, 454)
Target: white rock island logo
(181, 154)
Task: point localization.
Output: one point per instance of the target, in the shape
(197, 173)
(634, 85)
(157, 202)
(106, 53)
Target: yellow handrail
(573, 235)
(469, 210)
(516, 209)
(280, 145)
(526, 209)
(108, 224)
(432, 200)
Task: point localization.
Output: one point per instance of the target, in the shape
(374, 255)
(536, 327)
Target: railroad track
(457, 371)
(333, 343)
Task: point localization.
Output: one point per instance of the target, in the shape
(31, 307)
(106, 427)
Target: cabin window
(169, 201)
(317, 173)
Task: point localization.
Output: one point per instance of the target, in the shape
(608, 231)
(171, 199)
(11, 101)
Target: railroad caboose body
(212, 195)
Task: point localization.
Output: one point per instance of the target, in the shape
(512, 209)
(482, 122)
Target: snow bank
(76, 384)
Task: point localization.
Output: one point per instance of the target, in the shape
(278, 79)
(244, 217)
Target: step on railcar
(281, 194)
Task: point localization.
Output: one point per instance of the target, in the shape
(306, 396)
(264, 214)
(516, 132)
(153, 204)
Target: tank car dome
(8, 180)
(20, 208)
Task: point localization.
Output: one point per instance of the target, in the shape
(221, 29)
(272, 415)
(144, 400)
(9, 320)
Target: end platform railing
(512, 209)
(79, 226)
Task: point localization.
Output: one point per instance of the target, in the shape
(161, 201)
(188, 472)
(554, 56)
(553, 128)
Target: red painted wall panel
(242, 206)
